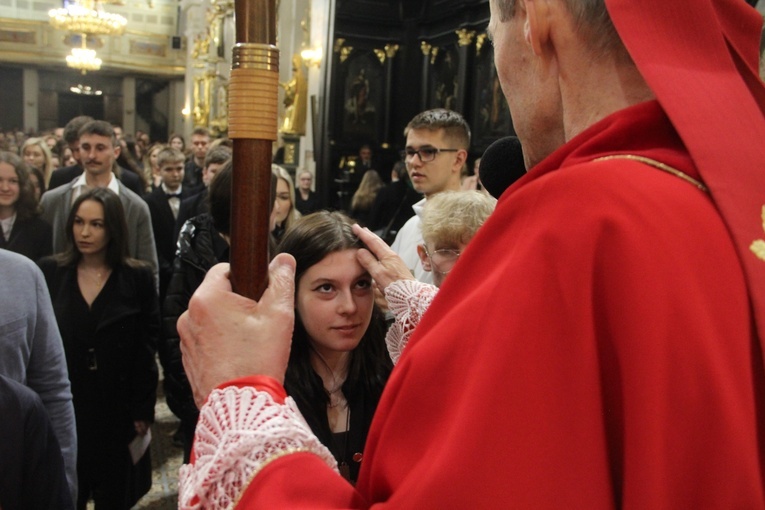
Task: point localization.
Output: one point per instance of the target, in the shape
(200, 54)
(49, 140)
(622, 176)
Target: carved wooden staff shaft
(252, 118)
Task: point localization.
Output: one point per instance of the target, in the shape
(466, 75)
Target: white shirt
(7, 225)
(405, 244)
(80, 185)
(173, 202)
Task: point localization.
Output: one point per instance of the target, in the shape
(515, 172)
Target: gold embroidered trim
(661, 166)
(758, 246)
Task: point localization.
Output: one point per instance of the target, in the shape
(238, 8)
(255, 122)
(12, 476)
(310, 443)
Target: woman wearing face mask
(287, 213)
(23, 231)
(338, 364)
(108, 314)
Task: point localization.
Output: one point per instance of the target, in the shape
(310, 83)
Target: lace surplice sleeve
(408, 300)
(240, 431)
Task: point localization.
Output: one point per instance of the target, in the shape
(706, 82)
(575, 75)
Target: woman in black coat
(108, 313)
(23, 231)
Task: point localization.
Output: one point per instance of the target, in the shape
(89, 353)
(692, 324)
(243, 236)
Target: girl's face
(334, 302)
(153, 160)
(89, 229)
(34, 156)
(283, 202)
(69, 158)
(176, 143)
(9, 185)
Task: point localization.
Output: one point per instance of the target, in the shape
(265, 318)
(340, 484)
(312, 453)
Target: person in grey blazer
(31, 350)
(98, 154)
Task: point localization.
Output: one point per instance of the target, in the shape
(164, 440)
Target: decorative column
(128, 104)
(31, 84)
(465, 41)
(428, 57)
(386, 58)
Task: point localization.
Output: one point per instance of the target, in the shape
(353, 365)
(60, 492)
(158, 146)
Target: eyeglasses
(443, 260)
(426, 154)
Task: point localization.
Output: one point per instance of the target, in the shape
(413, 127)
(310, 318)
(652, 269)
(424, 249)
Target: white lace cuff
(407, 300)
(240, 431)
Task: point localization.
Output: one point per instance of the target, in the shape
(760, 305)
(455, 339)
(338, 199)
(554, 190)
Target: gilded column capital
(465, 36)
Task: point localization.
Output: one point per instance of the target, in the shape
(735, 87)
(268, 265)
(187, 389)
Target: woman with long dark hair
(108, 314)
(23, 231)
(338, 363)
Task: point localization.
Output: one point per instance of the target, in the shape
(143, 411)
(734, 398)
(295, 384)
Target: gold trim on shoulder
(758, 246)
(661, 166)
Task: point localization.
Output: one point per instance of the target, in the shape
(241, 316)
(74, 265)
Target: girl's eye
(364, 284)
(326, 287)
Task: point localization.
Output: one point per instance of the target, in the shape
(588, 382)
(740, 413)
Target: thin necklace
(97, 276)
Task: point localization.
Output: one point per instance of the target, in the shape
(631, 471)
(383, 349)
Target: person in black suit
(67, 174)
(164, 203)
(393, 204)
(200, 143)
(71, 135)
(32, 475)
(23, 231)
(306, 200)
(196, 204)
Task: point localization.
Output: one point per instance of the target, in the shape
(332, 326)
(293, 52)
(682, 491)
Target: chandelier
(87, 17)
(83, 58)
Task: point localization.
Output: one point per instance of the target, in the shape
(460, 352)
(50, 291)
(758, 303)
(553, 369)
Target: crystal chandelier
(87, 16)
(83, 58)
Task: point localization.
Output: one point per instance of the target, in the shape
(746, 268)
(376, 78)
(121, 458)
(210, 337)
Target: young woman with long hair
(108, 314)
(361, 203)
(35, 152)
(285, 198)
(338, 364)
(23, 231)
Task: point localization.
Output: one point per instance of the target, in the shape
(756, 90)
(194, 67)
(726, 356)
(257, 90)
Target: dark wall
(371, 101)
(12, 105)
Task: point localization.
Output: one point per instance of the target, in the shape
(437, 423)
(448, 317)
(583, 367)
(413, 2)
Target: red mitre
(701, 59)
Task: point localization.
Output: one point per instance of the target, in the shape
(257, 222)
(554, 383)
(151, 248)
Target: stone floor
(166, 459)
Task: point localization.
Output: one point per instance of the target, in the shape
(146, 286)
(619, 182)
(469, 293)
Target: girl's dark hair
(309, 240)
(27, 205)
(219, 198)
(115, 226)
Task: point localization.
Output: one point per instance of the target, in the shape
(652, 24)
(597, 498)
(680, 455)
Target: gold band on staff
(254, 92)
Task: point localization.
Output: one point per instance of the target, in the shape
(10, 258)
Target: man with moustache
(98, 154)
(64, 175)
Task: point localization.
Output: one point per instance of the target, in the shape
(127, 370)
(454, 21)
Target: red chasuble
(593, 348)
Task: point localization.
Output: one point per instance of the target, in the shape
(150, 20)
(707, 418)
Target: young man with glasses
(436, 150)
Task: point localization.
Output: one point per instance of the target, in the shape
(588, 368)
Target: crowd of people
(592, 339)
(123, 242)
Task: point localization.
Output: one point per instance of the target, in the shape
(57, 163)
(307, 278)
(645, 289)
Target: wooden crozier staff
(252, 118)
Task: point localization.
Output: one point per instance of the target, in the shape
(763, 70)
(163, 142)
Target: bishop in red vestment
(599, 343)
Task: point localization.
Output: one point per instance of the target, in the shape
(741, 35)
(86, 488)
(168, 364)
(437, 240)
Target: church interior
(351, 72)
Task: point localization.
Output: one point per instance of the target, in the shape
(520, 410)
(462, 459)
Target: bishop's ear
(536, 27)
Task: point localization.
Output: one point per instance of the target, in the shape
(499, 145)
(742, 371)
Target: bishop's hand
(225, 336)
